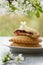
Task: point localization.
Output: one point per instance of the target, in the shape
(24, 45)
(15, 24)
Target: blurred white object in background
(3, 7)
(1, 1)
(3, 11)
(41, 3)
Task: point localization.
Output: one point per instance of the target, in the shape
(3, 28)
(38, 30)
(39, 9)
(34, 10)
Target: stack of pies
(26, 37)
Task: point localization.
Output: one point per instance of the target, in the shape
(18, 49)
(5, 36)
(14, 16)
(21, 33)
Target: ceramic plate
(6, 42)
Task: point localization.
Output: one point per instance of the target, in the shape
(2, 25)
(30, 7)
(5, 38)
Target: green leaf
(12, 7)
(8, 55)
(5, 59)
(37, 4)
(30, 13)
(24, 2)
(39, 7)
(37, 14)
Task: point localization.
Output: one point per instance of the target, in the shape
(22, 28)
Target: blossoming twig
(22, 7)
(16, 59)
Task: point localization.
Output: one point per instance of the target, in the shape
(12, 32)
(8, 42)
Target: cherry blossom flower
(23, 24)
(19, 58)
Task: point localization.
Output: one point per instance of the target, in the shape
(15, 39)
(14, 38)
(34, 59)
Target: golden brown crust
(25, 39)
(25, 45)
(28, 30)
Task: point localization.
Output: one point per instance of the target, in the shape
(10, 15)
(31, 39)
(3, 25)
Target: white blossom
(20, 12)
(2, 11)
(27, 2)
(23, 24)
(20, 1)
(21, 8)
(15, 4)
(2, 1)
(4, 8)
(19, 58)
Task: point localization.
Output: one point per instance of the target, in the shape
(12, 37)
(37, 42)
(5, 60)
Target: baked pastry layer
(27, 32)
(25, 45)
(25, 39)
